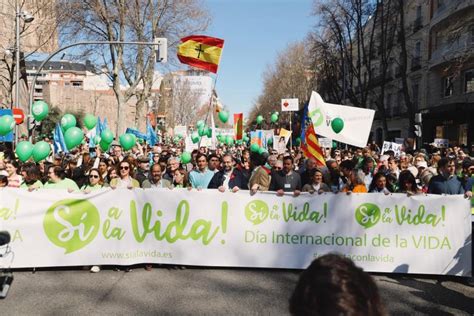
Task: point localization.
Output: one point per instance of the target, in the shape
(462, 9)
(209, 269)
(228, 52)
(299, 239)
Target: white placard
(441, 142)
(422, 234)
(396, 148)
(289, 105)
(325, 142)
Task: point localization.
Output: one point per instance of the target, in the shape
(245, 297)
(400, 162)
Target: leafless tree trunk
(132, 69)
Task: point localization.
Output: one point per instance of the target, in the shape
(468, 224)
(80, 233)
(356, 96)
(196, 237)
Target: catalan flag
(201, 51)
(310, 143)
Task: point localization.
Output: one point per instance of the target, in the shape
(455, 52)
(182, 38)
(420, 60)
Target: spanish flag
(201, 51)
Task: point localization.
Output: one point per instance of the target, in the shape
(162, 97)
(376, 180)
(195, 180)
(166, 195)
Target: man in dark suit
(229, 178)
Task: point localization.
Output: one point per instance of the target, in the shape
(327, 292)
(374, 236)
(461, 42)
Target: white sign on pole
(289, 105)
(122, 227)
(396, 148)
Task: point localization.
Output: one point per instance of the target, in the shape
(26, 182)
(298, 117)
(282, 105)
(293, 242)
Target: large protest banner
(418, 234)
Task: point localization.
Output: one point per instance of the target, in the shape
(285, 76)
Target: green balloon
(104, 145)
(337, 125)
(223, 116)
(195, 138)
(209, 132)
(229, 140)
(41, 150)
(245, 138)
(297, 141)
(127, 141)
(254, 148)
(202, 131)
(261, 150)
(106, 136)
(185, 157)
(274, 118)
(259, 119)
(219, 137)
(90, 121)
(68, 121)
(73, 137)
(40, 110)
(200, 124)
(7, 124)
(269, 142)
(24, 150)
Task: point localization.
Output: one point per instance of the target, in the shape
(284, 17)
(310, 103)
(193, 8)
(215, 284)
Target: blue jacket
(440, 185)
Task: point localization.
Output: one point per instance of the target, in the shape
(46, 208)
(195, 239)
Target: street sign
(289, 105)
(18, 115)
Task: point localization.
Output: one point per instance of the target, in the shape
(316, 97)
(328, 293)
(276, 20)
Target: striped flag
(238, 125)
(310, 143)
(201, 51)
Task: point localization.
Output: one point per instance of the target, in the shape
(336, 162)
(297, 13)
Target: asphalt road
(199, 291)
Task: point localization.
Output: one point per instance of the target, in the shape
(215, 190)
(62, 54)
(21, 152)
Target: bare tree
(38, 36)
(185, 103)
(131, 69)
(287, 78)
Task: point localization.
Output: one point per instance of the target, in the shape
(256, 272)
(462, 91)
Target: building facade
(440, 72)
(185, 97)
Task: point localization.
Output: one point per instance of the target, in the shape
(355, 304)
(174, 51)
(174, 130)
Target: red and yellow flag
(311, 148)
(201, 51)
(238, 125)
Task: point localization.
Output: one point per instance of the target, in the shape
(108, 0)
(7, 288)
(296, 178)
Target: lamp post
(28, 18)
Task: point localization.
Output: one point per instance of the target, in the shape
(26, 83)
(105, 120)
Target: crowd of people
(446, 171)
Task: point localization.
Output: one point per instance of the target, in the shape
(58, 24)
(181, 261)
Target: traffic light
(161, 49)
(418, 130)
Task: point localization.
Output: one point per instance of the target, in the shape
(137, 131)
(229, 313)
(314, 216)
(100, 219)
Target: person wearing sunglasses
(94, 182)
(125, 177)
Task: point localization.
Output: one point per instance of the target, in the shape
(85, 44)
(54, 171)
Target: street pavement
(210, 291)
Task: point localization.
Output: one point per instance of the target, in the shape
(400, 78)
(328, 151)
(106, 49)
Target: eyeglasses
(124, 168)
(278, 168)
(94, 176)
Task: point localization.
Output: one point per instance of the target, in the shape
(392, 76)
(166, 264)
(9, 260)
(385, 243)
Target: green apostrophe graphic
(256, 211)
(367, 214)
(71, 224)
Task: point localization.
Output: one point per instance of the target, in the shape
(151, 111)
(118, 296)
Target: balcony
(448, 8)
(449, 51)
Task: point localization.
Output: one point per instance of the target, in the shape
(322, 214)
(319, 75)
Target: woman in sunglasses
(94, 182)
(125, 179)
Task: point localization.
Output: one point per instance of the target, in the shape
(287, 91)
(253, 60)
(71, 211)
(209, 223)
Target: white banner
(346, 124)
(396, 233)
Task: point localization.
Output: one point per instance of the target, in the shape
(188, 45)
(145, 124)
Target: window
(469, 81)
(448, 86)
(440, 131)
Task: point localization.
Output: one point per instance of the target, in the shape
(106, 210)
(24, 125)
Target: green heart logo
(367, 215)
(256, 212)
(71, 224)
(317, 117)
